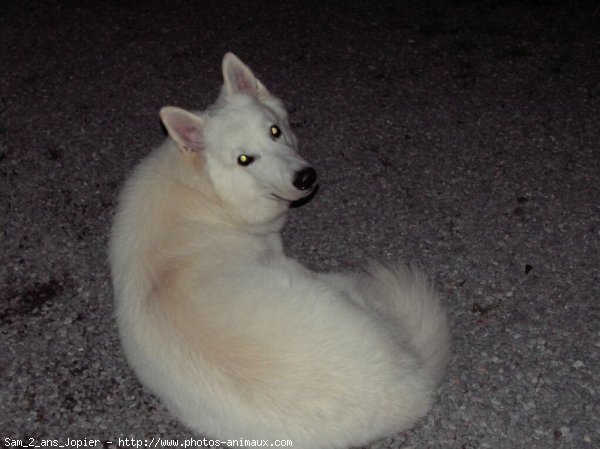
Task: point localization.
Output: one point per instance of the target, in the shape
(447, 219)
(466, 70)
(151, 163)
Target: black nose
(305, 178)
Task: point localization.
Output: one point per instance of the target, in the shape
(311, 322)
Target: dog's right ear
(183, 127)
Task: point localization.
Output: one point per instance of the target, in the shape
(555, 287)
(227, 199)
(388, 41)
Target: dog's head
(249, 151)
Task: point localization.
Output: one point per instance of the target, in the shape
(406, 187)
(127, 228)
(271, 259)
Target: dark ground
(463, 138)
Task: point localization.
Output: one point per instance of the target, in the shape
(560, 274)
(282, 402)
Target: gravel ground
(462, 137)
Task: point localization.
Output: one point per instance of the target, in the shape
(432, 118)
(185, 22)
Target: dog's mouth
(297, 202)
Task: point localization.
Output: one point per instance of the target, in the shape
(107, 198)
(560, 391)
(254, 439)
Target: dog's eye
(245, 160)
(275, 131)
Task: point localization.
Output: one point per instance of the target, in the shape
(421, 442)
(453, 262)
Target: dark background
(460, 136)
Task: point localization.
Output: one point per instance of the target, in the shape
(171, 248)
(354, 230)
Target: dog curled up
(237, 339)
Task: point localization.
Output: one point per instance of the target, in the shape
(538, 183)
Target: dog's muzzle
(305, 178)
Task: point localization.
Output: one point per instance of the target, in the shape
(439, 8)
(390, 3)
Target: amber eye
(245, 160)
(275, 131)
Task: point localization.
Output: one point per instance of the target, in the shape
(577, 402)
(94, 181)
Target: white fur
(237, 339)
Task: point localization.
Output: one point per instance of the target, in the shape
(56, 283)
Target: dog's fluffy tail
(408, 297)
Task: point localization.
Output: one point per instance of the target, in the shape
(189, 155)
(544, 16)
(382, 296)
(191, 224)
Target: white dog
(237, 339)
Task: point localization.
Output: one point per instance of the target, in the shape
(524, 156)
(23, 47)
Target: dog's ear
(239, 78)
(183, 127)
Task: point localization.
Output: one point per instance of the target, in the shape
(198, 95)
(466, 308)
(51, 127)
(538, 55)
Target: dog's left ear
(239, 78)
